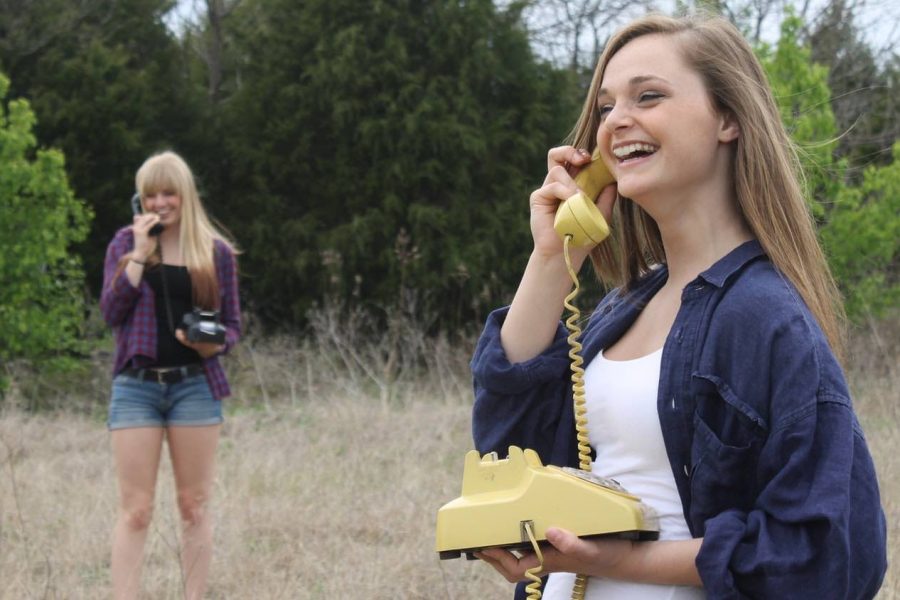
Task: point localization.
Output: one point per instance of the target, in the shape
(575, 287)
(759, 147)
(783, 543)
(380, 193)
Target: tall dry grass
(874, 376)
(335, 456)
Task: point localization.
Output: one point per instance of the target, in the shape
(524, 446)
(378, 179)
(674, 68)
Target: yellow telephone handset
(578, 216)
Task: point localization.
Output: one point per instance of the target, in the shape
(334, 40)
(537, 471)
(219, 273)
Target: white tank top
(623, 424)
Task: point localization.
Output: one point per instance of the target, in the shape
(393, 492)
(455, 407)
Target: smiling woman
(662, 137)
(712, 384)
(165, 385)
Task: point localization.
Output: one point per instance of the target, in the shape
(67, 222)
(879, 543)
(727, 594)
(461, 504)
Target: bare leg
(193, 451)
(136, 452)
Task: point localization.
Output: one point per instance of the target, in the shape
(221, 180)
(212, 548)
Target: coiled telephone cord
(534, 588)
(581, 429)
(584, 449)
(584, 442)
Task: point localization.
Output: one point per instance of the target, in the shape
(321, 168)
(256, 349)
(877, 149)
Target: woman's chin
(633, 190)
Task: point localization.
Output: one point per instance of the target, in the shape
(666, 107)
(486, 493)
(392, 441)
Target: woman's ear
(729, 130)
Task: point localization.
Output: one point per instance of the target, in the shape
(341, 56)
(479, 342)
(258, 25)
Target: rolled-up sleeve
(517, 404)
(816, 528)
(231, 304)
(118, 296)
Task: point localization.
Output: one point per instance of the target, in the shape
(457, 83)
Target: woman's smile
(633, 153)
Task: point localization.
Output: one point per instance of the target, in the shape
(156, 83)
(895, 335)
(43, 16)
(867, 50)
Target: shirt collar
(732, 262)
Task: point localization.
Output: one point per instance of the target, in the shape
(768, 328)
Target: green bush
(42, 290)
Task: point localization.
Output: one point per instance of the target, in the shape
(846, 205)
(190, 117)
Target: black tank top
(169, 351)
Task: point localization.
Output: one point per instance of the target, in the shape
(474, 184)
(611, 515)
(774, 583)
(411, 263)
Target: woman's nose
(619, 116)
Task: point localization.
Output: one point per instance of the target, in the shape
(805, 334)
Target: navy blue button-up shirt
(771, 465)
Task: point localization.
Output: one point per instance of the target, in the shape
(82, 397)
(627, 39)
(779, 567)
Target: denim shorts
(140, 403)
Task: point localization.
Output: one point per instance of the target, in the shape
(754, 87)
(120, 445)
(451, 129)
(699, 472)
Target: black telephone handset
(138, 209)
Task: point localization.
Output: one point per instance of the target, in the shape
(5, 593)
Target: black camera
(203, 326)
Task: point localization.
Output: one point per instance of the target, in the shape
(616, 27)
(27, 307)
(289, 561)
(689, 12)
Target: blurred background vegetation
(376, 156)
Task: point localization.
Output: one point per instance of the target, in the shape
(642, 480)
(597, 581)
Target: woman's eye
(604, 110)
(649, 96)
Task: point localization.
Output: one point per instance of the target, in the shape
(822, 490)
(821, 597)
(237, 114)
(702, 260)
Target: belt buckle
(160, 377)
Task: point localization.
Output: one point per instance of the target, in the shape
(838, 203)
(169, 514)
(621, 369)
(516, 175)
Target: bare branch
(558, 27)
(208, 39)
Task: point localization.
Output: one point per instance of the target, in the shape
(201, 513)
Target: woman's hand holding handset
(531, 322)
(563, 164)
(144, 243)
(144, 246)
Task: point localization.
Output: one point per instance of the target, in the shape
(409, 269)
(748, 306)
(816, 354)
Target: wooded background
(377, 154)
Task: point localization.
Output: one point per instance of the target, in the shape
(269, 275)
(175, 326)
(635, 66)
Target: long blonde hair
(767, 178)
(167, 171)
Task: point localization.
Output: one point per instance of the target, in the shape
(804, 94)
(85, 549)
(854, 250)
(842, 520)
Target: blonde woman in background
(713, 385)
(166, 386)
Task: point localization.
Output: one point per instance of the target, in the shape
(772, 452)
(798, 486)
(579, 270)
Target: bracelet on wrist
(134, 260)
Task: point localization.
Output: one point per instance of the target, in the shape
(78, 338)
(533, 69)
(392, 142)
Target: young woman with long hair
(167, 386)
(713, 382)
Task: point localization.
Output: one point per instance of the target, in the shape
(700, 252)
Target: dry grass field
(333, 462)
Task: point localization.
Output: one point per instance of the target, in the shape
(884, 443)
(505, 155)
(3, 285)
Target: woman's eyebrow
(636, 80)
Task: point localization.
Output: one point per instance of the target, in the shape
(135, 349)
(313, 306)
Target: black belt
(167, 375)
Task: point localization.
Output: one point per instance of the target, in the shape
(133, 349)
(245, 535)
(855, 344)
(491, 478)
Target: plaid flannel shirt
(131, 311)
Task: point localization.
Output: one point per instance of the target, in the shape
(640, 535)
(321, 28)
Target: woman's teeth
(626, 152)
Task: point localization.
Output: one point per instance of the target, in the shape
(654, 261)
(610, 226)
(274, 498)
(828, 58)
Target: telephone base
(500, 497)
(636, 536)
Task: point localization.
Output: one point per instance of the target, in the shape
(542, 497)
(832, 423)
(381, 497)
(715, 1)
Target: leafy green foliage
(106, 83)
(801, 89)
(859, 223)
(41, 295)
(863, 238)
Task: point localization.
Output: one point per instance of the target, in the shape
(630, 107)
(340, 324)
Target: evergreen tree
(386, 145)
(106, 82)
(858, 85)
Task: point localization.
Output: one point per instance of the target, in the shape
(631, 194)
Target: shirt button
(687, 471)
